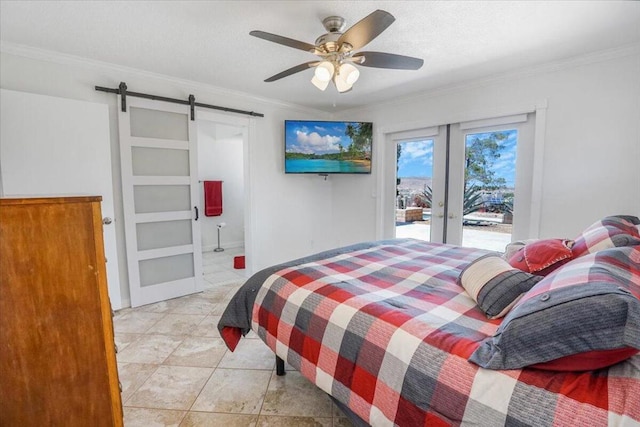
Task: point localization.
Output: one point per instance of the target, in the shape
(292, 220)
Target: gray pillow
(585, 315)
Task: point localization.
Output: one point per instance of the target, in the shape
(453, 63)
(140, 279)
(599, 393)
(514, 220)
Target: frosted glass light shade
(349, 73)
(322, 85)
(324, 71)
(341, 84)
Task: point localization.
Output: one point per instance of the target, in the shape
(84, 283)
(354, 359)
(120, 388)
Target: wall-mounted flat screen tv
(324, 147)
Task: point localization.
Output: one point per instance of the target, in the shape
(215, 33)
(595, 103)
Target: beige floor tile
(233, 391)
(171, 387)
(194, 305)
(160, 307)
(224, 301)
(177, 324)
(280, 421)
(249, 354)
(208, 327)
(208, 419)
(135, 321)
(218, 294)
(219, 310)
(224, 277)
(132, 376)
(198, 351)
(150, 349)
(143, 417)
(294, 395)
(123, 340)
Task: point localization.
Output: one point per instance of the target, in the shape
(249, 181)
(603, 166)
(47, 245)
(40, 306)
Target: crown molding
(549, 67)
(78, 61)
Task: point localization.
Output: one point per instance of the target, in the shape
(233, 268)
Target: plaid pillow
(494, 285)
(586, 312)
(612, 231)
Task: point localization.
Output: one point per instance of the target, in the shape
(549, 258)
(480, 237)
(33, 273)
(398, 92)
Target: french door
(161, 195)
(465, 208)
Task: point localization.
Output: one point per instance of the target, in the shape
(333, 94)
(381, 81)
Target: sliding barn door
(161, 194)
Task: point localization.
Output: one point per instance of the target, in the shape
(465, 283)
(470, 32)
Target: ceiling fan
(336, 50)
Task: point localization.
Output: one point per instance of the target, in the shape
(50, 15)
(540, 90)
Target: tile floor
(175, 369)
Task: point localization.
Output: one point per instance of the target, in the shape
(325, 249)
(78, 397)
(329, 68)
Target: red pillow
(588, 361)
(542, 256)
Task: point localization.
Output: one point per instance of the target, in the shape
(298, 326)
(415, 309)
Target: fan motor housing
(333, 24)
(328, 42)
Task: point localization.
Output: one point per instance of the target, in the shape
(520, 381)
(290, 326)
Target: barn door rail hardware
(191, 102)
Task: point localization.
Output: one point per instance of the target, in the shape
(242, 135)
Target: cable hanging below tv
(327, 147)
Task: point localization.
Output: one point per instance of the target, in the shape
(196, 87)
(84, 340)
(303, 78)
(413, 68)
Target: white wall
(220, 159)
(592, 140)
(285, 207)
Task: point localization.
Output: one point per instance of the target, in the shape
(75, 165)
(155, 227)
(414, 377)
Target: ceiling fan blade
(292, 70)
(296, 44)
(389, 60)
(367, 29)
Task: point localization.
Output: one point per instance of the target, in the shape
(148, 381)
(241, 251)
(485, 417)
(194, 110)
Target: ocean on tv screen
(327, 166)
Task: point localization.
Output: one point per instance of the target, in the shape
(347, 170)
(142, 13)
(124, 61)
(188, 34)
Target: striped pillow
(494, 285)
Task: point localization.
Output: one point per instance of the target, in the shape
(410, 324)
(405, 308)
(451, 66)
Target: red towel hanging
(213, 198)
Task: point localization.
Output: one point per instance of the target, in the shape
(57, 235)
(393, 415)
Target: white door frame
(247, 124)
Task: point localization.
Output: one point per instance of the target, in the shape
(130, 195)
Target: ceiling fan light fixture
(341, 84)
(320, 84)
(349, 73)
(324, 71)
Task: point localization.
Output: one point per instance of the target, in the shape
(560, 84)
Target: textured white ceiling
(209, 41)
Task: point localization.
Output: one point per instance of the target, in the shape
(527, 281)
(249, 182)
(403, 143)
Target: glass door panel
(414, 188)
(489, 188)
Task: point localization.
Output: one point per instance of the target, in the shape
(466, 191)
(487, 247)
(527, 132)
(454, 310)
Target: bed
(388, 330)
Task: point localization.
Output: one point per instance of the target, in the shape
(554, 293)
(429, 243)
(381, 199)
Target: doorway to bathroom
(222, 141)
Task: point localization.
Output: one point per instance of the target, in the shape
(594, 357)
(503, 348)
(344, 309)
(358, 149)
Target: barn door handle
(197, 216)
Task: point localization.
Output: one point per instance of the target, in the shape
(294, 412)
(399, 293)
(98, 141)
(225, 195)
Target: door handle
(106, 220)
(197, 216)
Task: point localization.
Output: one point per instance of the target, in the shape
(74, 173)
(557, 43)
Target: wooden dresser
(57, 353)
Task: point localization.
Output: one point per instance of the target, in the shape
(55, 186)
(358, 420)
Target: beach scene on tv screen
(327, 147)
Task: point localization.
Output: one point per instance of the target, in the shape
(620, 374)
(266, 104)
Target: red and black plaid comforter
(386, 331)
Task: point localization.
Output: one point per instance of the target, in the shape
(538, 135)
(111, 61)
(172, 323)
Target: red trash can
(238, 262)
